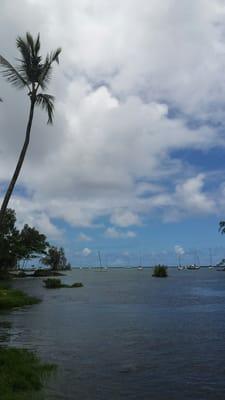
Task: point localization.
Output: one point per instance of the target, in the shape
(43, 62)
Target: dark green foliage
(18, 245)
(21, 374)
(57, 284)
(11, 298)
(56, 259)
(77, 284)
(9, 241)
(160, 271)
(33, 243)
(32, 72)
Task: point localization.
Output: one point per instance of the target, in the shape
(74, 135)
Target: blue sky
(134, 163)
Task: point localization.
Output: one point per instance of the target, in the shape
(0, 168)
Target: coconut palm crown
(32, 73)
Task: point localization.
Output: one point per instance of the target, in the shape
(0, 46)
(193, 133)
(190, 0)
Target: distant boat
(140, 268)
(193, 266)
(180, 267)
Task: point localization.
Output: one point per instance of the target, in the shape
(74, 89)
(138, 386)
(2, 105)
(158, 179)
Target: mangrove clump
(57, 284)
(160, 271)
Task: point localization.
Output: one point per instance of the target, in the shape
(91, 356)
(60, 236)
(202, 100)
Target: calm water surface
(126, 335)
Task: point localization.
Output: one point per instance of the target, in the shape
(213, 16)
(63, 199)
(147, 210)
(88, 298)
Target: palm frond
(222, 227)
(30, 42)
(45, 75)
(24, 50)
(11, 74)
(47, 67)
(46, 101)
(54, 56)
(37, 44)
(30, 64)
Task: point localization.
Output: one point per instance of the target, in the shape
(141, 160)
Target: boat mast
(99, 257)
(210, 257)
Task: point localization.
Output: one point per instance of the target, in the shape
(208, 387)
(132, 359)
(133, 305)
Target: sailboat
(180, 267)
(100, 268)
(195, 265)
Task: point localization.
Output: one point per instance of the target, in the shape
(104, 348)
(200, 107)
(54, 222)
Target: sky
(133, 166)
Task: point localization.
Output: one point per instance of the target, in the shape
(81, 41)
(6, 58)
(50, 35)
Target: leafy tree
(18, 245)
(9, 241)
(32, 73)
(56, 259)
(32, 243)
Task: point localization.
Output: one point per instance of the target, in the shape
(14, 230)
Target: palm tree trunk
(19, 165)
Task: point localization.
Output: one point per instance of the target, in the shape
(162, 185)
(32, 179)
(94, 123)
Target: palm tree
(33, 74)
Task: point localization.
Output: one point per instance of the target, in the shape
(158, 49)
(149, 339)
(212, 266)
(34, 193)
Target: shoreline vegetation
(160, 271)
(13, 298)
(57, 284)
(22, 373)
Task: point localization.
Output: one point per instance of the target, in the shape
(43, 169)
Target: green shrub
(56, 284)
(10, 298)
(21, 374)
(77, 284)
(160, 271)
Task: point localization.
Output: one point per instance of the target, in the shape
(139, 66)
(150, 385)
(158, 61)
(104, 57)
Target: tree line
(20, 247)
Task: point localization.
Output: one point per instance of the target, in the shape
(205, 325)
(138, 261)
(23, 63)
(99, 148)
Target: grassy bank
(22, 374)
(11, 298)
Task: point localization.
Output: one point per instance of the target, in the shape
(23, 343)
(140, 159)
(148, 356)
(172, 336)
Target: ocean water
(127, 335)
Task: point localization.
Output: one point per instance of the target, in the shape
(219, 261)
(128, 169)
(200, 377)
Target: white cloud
(124, 218)
(34, 214)
(113, 233)
(86, 252)
(188, 198)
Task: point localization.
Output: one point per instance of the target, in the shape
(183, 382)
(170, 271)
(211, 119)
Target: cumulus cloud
(188, 198)
(113, 233)
(86, 252)
(121, 110)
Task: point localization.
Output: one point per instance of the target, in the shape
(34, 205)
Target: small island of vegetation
(160, 271)
(57, 284)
